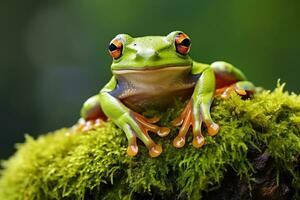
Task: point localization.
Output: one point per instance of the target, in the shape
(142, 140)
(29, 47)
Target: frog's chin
(151, 68)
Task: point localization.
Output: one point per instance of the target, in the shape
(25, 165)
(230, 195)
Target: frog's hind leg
(229, 78)
(92, 115)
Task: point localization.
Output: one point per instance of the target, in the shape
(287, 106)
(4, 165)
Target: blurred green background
(54, 52)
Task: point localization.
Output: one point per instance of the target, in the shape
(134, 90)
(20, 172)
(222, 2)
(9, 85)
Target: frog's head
(150, 52)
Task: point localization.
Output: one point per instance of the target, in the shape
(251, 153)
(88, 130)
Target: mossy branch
(258, 146)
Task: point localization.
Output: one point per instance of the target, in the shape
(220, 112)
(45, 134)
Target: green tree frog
(150, 72)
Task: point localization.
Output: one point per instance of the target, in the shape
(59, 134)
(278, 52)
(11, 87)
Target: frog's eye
(182, 43)
(115, 48)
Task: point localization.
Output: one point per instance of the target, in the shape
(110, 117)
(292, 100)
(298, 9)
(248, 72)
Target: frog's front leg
(133, 124)
(197, 111)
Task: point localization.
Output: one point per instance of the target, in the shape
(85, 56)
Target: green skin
(149, 73)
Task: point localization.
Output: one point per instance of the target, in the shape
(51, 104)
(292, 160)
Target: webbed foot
(85, 125)
(242, 88)
(138, 126)
(191, 116)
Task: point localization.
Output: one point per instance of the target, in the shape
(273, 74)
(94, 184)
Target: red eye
(115, 48)
(182, 43)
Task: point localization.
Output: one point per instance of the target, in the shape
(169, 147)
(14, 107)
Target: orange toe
(240, 92)
(179, 142)
(198, 141)
(155, 151)
(163, 131)
(132, 150)
(213, 129)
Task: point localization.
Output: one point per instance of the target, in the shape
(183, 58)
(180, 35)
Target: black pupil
(112, 47)
(186, 42)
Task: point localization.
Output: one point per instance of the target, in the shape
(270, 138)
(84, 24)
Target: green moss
(94, 165)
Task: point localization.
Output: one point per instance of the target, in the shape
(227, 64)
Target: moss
(94, 165)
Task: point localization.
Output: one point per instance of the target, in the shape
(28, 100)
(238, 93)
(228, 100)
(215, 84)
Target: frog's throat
(142, 88)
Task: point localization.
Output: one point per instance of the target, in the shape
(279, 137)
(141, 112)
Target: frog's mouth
(151, 70)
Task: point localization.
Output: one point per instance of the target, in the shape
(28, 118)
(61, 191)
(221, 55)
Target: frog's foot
(187, 119)
(242, 88)
(85, 125)
(225, 92)
(145, 125)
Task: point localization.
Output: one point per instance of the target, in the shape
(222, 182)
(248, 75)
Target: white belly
(140, 89)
